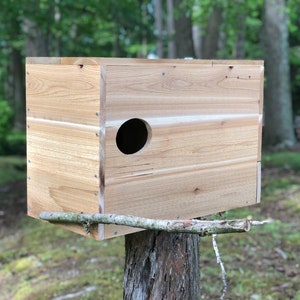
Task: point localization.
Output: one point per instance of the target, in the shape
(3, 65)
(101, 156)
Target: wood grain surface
(204, 121)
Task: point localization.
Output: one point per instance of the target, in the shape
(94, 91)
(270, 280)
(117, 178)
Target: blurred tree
(183, 30)
(278, 129)
(229, 30)
(213, 32)
(159, 28)
(222, 29)
(174, 29)
(6, 119)
(240, 49)
(171, 29)
(12, 74)
(293, 9)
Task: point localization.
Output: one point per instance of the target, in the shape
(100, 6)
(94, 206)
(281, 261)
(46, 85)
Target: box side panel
(63, 112)
(66, 93)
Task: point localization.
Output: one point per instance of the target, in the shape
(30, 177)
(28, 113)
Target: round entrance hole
(132, 136)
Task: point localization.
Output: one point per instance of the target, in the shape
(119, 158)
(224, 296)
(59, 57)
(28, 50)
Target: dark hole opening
(132, 136)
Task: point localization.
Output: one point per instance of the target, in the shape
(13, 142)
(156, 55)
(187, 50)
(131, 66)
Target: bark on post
(161, 265)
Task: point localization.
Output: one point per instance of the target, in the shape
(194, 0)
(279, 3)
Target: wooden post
(163, 262)
(161, 265)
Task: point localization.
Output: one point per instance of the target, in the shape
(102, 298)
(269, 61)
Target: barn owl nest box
(165, 139)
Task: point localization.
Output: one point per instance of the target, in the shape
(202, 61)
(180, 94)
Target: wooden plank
(62, 149)
(51, 192)
(184, 194)
(261, 97)
(43, 60)
(62, 169)
(181, 143)
(63, 93)
(132, 61)
(108, 61)
(147, 90)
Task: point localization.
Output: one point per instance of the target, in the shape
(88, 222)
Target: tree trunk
(162, 265)
(183, 32)
(36, 42)
(197, 33)
(240, 50)
(57, 19)
(171, 29)
(117, 46)
(159, 28)
(144, 40)
(212, 36)
(18, 89)
(278, 108)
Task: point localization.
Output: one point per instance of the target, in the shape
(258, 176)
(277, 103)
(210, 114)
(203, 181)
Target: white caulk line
(258, 192)
(61, 123)
(186, 119)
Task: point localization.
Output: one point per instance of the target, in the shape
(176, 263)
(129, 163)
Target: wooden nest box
(164, 139)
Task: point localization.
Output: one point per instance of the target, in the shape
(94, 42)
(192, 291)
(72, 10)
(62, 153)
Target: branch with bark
(200, 227)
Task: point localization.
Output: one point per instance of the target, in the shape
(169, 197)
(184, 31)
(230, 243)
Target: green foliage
(12, 168)
(15, 143)
(11, 142)
(241, 17)
(77, 28)
(6, 122)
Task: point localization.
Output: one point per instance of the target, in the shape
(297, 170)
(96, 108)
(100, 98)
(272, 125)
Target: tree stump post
(161, 265)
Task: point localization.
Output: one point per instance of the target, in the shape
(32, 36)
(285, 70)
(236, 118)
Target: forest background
(204, 29)
(262, 264)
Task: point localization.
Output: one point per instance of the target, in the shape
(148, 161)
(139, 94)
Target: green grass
(12, 168)
(289, 160)
(42, 261)
(255, 268)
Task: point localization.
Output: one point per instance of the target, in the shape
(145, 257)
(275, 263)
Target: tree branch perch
(201, 227)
